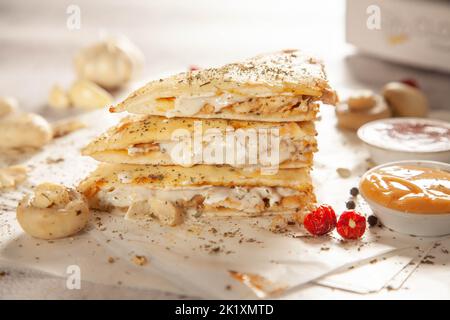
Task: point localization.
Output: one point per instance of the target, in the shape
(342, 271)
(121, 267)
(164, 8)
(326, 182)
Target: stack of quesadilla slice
(234, 140)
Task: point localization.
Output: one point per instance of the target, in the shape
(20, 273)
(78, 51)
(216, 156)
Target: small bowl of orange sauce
(411, 197)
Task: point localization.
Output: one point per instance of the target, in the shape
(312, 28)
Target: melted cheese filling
(288, 150)
(191, 105)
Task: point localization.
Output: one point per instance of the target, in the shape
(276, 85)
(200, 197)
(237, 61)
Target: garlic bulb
(405, 100)
(110, 64)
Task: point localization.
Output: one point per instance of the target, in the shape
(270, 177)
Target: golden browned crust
(158, 158)
(288, 72)
(108, 176)
(149, 129)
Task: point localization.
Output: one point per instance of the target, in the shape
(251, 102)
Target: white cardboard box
(413, 32)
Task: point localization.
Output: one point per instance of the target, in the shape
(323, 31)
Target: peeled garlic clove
(8, 105)
(65, 214)
(64, 127)
(21, 130)
(343, 172)
(165, 211)
(58, 98)
(87, 95)
(361, 100)
(12, 176)
(110, 64)
(405, 100)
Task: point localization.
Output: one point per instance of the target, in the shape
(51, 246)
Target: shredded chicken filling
(252, 200)
(288, 149)
(212, 103)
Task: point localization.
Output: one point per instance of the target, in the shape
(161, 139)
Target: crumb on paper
(260, 285)
(10, 177)
(343, 172)
(370, 164)
(298, 217)
(64, 127)
(140, 260)
(111, 260)
(215, 250)
(50, 160)
(278, 224)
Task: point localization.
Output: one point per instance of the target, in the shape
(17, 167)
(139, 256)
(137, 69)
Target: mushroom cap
(55, 221)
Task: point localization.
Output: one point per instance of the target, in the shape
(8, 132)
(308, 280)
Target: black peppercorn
(354, 191)
(372, 220)
(350, 204)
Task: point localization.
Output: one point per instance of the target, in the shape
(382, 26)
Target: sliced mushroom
(353, 118)
(53, 212)
(19, 130)
(362, 100)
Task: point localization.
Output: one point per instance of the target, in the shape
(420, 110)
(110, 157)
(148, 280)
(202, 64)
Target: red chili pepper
(193, 67)
(320, 221)
(410, 82)
(351, 225)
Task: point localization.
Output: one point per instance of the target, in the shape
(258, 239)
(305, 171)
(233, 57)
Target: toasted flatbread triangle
(111, 175)
(209, 190)
(149, 129)
(262, 88)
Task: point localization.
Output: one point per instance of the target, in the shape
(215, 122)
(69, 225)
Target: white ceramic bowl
(383, 152)
(418, 224)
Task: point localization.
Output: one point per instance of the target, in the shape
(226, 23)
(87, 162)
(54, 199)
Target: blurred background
(37, 46)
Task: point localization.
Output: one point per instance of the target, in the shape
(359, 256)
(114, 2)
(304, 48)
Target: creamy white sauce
(244, 199)
(190, 105)
(124, 177)
(132, 151)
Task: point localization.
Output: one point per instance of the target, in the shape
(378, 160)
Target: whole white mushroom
(53, 212)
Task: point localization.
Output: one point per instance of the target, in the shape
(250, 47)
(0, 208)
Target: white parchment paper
(207, 258)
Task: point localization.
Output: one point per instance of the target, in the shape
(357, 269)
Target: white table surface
(36, 51)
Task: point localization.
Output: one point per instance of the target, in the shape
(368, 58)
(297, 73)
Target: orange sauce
(409, 188)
